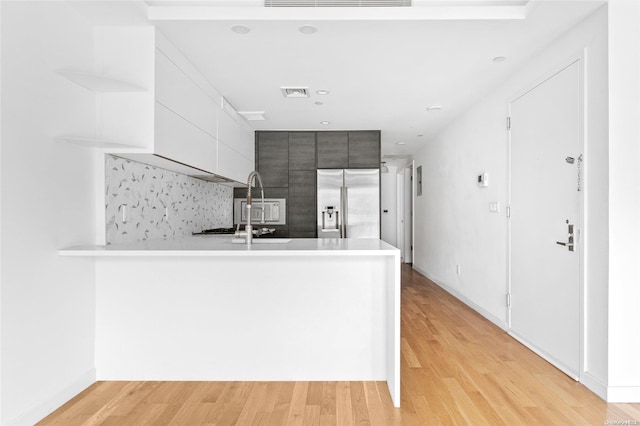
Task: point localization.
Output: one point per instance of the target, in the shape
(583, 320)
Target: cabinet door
(333, 150)
(302, 204)
(302, 150)
(364, 149)
(179, 140)
(236, 148)
(273, 158)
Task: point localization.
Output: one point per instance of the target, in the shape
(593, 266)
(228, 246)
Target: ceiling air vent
(295, 92)
(337, 3)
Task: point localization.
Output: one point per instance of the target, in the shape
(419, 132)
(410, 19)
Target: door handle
(569, 244)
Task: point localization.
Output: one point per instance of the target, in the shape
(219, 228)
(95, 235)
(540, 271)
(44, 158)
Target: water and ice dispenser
(330, 219)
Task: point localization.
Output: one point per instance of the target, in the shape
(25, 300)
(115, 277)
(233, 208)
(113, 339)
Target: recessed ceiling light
(324, 123)
(322, 92)
(401, 143)
(434, 108)
(240, 29)
(499, 58)
(307, 29)
(319, 103)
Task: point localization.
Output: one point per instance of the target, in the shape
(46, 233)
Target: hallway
(457, 368)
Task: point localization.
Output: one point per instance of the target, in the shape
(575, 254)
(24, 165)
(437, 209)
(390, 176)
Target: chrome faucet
(248, 228)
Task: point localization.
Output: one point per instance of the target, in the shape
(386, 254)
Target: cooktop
(216, 231)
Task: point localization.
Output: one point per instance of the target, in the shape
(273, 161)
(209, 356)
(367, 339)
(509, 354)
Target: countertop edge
(222, 253)
(194, 247)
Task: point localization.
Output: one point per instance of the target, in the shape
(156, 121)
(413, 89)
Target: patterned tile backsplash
(145, 193)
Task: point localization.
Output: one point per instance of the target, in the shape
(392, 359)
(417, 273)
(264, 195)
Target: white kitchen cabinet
(194, 124)
(181, 141)
(181, 95)
(236, 150)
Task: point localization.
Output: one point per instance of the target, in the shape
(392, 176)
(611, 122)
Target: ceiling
(382, 66)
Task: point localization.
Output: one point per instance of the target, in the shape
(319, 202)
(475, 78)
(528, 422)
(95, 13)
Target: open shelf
(99, 83)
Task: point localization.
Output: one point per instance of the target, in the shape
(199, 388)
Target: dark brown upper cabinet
(302, 151)
(333, 150)
(341, 150)
(364, 149)
(272, 158)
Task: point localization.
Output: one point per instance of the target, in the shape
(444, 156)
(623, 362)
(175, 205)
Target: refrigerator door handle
(345, 209)
(341, 215)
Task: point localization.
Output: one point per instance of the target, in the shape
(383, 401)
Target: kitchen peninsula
(204, 308)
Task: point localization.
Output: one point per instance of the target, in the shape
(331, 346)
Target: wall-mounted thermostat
(483, 180)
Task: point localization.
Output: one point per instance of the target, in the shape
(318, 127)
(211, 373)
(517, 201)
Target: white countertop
(210, 245)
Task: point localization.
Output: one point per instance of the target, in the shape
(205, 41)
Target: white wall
(47, 311)
(1, 142)
(453, 225)
(388, 202)
(624, 202)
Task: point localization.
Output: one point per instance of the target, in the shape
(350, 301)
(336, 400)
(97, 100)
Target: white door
(545, 212)
(408, 215)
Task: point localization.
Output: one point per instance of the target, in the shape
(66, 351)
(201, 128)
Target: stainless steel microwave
(275, 211)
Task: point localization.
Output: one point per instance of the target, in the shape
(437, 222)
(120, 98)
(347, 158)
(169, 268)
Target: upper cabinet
(195, 125)
(333, 150)
(186, 124)
(236, 144)
(341, 150)
(364, 149)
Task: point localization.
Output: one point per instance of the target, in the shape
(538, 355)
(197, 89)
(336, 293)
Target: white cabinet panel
(179, 140)
(232, 134)
(178, 92)
(233, 165)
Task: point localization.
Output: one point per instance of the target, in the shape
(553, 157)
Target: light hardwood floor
(457, 368)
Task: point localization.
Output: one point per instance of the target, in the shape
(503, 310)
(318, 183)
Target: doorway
(404, 201)
(545, 296)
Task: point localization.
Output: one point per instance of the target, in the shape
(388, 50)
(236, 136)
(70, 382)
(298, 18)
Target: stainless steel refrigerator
(348, 203)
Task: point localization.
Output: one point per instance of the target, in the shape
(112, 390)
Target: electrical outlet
(125, 213)
(457, 269)
(166, 214)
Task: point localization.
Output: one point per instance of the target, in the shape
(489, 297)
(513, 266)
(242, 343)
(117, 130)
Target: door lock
(569, 244)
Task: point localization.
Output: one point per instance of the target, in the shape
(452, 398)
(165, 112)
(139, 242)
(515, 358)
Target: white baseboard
(42, 409)
(594, 385)
(488, 315)
(623, 394)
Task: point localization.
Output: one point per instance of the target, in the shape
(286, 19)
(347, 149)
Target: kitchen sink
(262, 241)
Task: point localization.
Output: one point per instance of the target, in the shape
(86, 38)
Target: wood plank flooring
(457, 368)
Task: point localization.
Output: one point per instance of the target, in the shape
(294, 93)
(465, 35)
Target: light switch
(494, 207)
